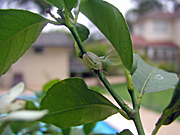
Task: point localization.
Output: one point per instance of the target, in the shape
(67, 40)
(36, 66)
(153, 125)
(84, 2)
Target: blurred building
(157, 35)
(48, 58)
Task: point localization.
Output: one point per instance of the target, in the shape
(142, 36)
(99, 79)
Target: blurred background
(154, 27)
(155, 32)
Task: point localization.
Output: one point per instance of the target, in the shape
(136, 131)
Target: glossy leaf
(71, 103)
(66, 131)
(49, 84)
(172, 111)
(56, 3)
(112, 24)
(70, 4)
(30, 105)
(19, 30)
(149, 79)
(125, 132)
(18, 126)
(83, 31)
(134, 67)
(88, 128)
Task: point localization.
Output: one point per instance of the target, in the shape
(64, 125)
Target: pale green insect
(92, 61)
(112, 58)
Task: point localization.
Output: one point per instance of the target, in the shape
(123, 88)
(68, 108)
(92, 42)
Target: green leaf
(134, 67)
(19, 29)
(83, 31)
(88, 128)
(49, 84)
(18, 126)
(112, 24)
(172, 111)
(149, 79)
(56, 3)
(70, 4)
(30, 106)
(71, 103)
(125, 132)
(66, 131)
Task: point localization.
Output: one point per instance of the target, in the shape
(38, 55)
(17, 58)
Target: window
(141, 28)
(150, 52)
(160, 26)
(39, 49)
(160, 53)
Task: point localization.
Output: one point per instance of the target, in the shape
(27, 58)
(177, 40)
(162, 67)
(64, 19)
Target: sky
(122, 5)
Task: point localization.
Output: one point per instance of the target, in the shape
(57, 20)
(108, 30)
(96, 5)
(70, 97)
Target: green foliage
(125, 132)
(18, 126)
(111, 23)
(66, 131)
(19, 29)
(30, 105)
(70, 4)
(71, 103)
(56, 3)
(49, 84)
(83, 31)
(149, 79)
(171, 112)
(95, 45)
(87, 128)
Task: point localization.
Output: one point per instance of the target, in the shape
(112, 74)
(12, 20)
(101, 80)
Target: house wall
(149, 30)
(39, 68)
(176, 31)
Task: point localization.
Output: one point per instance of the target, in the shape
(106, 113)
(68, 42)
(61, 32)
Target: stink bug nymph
(92, 61)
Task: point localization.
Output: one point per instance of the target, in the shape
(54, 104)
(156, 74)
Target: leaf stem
(156, 129)
(121, 103)
(67, 20)
(136, 117)
(124, 114)
(78, 40)
(135, 114)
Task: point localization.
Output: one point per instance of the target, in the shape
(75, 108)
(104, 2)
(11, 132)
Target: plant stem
(136, 118)
(121, 103)
(135, 115)
(156, 129)
(67, 16)
(78, 40)
(101, 76)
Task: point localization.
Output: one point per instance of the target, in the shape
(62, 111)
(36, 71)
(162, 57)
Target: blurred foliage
(98, 47)
(25, 3)
(168, 66)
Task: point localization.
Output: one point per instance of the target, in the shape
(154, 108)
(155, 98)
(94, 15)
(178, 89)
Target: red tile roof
(138, 41)
(157, 14)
